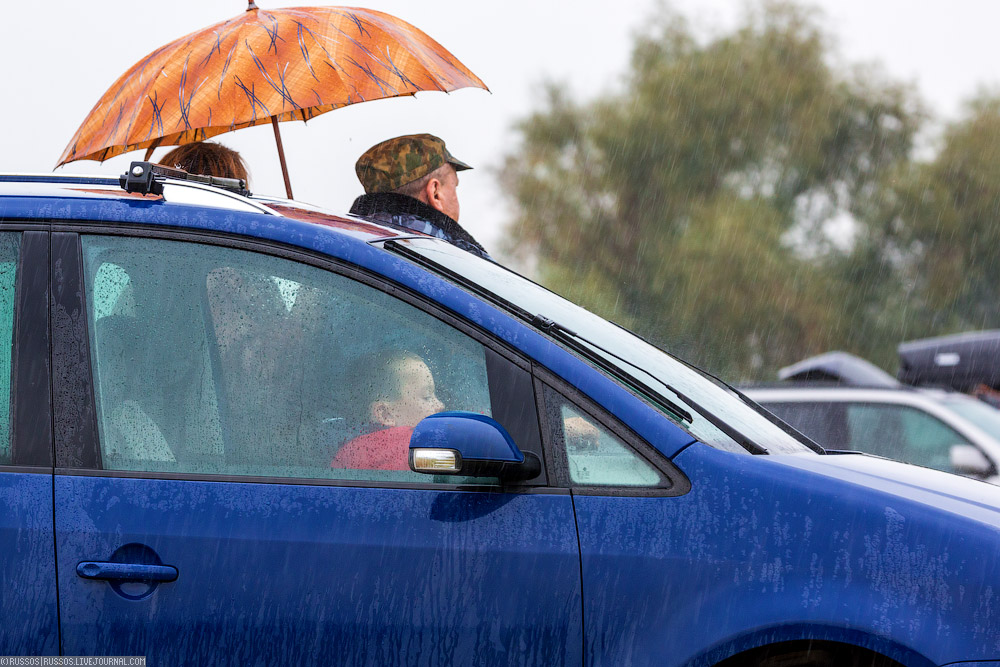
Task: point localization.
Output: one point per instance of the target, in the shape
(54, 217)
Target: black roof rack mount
(147, 178)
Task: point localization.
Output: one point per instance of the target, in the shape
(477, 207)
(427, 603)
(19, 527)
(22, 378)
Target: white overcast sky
(59, 56)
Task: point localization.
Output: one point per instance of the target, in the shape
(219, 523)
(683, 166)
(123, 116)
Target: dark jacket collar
(397, 208)
(396, 204)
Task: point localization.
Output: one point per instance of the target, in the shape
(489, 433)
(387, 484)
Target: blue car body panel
(775, 548)
(299, 574)
(27, 555)
(761, 549)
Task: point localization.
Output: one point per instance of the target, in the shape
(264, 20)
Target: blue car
(244, 431)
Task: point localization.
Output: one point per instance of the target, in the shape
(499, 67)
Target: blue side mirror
(466, 443)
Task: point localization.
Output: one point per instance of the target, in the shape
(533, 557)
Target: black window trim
(30, 382)
(318, 260)
(75, 431)
(557, 463)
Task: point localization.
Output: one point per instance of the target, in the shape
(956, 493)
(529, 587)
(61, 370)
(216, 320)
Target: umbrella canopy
(263, 67)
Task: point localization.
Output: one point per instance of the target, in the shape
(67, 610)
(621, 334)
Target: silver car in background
(937, 429)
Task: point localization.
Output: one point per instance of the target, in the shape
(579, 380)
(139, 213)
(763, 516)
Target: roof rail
(75, 179)
(147, 178)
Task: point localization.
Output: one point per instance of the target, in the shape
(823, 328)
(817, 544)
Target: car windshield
(635, 357)
(982, 415)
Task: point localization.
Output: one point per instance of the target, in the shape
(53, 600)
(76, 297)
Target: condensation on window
(598, 458)
(223, 361)
(9, 246)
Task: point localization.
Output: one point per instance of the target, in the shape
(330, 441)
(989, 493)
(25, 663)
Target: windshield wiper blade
(767, 414)
(554, 328)
(753, 405)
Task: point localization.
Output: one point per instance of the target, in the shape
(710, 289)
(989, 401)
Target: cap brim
(457, 164)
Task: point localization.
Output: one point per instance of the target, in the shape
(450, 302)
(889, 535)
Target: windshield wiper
(569, 337)
(756, 407)
(761, 410)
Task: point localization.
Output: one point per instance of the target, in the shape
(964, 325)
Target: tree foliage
(939, 225)
(690, 204)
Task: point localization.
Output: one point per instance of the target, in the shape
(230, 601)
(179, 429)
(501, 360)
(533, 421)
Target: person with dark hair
(401, 393)
(208, 159)
(411, 182)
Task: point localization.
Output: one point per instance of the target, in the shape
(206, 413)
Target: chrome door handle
(89, 569)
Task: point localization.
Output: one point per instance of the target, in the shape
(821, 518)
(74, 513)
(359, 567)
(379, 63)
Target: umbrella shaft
(281, 157)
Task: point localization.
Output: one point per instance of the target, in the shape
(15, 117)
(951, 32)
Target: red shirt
(388, 449)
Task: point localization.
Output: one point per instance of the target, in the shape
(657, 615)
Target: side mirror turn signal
(470, 444)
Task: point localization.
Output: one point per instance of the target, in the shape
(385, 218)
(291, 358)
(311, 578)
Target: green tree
(935, 230)
(689, 204)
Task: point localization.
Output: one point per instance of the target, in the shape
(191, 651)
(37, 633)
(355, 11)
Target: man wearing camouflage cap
(410, 182)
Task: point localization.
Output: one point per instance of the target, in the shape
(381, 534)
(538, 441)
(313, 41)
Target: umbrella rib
(215, 47)
(219, 37)
(144, 94)
(302, 27)
(281, 78)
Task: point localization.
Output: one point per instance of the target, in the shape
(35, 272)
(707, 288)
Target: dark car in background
(181, 372)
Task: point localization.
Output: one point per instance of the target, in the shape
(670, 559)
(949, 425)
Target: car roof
(838, 366)
(812, 391)
(960, 360)
(100, 198)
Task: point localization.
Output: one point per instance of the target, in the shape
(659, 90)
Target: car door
(206, 511)
(27, 548)
(627, 498)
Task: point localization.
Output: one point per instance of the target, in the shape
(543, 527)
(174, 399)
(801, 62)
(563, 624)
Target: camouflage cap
(395, 162)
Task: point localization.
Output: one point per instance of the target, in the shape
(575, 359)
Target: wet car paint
(760, 549)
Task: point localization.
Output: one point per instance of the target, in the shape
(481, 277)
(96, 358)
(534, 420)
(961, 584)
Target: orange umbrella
(263, 67)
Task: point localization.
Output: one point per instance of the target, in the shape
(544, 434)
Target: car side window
(216, 360)
(9, 247)
(902, 433)
(593, 454)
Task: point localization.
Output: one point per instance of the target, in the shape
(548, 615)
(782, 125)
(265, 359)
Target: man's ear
(382, 414)
(432, 194)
